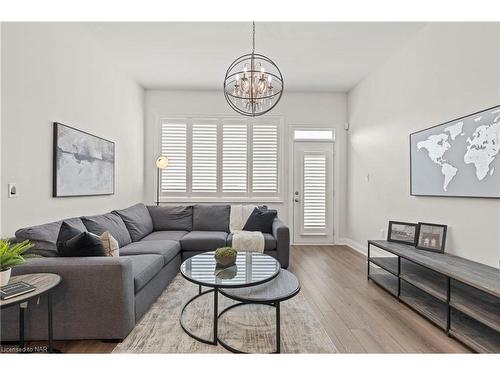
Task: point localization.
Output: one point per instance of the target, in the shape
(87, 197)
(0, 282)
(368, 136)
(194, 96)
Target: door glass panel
(314, 192)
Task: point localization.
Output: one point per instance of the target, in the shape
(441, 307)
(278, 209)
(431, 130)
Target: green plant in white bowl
(225, 256)
(11, 255)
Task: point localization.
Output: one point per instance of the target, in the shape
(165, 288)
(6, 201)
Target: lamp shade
(162, 162)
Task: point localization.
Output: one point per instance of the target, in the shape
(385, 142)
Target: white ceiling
(192, 55)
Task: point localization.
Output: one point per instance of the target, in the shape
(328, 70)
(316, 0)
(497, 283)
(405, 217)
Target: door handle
(296, 200)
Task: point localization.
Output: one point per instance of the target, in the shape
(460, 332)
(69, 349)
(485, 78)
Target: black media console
(460, 296)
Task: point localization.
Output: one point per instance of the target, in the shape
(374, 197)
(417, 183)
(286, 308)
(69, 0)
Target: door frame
(334, 171)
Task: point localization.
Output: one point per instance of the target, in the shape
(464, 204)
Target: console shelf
(390, 264)
(460, 296)
(384, 279)
(429, 281)
(478, 305)
(474, 334)
(432, 308)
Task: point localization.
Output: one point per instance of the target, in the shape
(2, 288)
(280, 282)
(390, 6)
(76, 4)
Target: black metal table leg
(21, 326)
(278, 328)
(186, 329)
(49, 323)
(216, 313)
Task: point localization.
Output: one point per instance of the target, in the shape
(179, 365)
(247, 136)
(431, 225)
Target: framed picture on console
(83, 164)
(431, 237)
(402, 232)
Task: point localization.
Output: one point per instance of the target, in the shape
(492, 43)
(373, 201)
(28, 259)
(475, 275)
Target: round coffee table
(44, 284)
(283, 287)
(251, 269)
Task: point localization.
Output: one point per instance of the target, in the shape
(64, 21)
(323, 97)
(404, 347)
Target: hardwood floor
(358, 316)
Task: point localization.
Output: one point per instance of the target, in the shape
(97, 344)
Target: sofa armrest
(95, 298)
(282, 235)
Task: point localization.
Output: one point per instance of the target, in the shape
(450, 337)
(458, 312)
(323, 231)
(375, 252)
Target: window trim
(220, 196)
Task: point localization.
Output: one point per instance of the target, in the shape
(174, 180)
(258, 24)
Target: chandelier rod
(253, 37)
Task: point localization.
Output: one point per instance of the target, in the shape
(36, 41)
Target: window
(221, 158)
(173, 144)
(315, 135)
(265, 158)
(204, 158)
(234, 158)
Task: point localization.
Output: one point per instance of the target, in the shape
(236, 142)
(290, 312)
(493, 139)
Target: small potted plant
(225, 256)
(11, 255)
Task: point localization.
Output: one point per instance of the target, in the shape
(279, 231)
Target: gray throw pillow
(44, 236)
(137, 220)
(110, 222)
(211, 217)
(171, 217)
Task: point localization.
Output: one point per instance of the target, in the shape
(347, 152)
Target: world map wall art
(459, 158)
(84, 164)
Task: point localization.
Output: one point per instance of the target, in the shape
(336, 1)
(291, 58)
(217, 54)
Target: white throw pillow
(110, 245)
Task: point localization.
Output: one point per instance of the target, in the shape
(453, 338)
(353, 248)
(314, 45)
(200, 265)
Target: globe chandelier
(253, 84)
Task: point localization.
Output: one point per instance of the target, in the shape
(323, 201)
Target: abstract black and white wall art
(84, 164)
(460, 158)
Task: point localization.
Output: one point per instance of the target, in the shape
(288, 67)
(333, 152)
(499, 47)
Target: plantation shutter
(265, 158)
(234, 158)
(174, 146)
(314, 192)
(204, 158)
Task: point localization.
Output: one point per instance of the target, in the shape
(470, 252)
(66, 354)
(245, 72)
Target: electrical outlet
(12, 190)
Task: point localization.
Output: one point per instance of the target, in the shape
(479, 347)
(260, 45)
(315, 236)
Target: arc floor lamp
(161, 163)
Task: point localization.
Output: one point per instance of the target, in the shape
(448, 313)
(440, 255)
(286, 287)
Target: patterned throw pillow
(110, 245)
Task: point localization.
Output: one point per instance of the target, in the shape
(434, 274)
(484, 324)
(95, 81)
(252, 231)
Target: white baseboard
(360, 248)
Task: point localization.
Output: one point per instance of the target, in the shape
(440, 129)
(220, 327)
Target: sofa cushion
(269, 241)
(137, 220)
(203, 240)
(174, 235)
(72, 242)
(171, 217)
(44, 236)
(144, 268)
(213, 217)
(168, 249)
(110, 222)
(261, 220)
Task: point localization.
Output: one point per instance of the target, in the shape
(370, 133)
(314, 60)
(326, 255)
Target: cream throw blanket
(244, 240)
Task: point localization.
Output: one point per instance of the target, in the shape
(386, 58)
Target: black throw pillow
(261, 220)
(72, 242)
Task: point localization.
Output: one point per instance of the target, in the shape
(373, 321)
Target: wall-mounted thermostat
(13, 190)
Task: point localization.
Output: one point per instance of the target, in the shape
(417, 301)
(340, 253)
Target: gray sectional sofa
(104, 297)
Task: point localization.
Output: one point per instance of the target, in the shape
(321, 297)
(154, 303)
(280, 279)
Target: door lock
(296, 200)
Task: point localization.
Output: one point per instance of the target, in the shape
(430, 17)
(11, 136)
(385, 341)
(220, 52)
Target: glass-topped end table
(251, 269)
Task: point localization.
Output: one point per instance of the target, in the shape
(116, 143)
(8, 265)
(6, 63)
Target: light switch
(13, 190)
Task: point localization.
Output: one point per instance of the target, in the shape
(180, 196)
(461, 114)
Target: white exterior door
(312, 193)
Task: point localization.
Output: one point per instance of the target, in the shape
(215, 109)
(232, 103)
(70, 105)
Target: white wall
(1, 195)
(447, 71)
(54, 72)
(296, 108)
